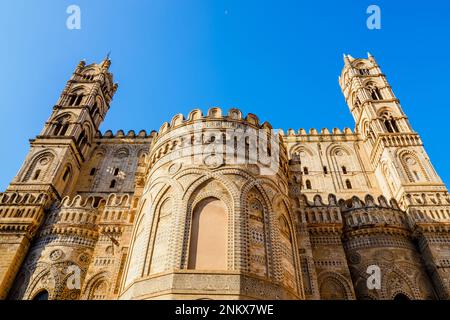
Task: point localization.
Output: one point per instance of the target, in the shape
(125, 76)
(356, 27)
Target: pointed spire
(346, 60)
(106, 63)
(372, 59)
(80, 66)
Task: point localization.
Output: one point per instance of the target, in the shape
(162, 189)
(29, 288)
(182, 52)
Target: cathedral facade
(221, 206)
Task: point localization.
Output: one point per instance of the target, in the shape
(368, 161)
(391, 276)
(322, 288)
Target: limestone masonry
(134, 215)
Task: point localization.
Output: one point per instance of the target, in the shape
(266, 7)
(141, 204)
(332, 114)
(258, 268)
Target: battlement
(120, 134)
(234, 115)
(345, 134)
(353, 213)
(15, 198)
(350, 204)
(91, 202)
(213, 114)
(82, 216)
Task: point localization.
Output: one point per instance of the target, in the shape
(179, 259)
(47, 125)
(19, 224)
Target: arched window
(66, 174)
(401, 296)
(370, 136)
(37, 174)
(99, 291)
(305, 171)
(82, 140)
(116, 171)
(72, 99)
(78, 100)
(364, 72)
(357, 103)
(208, 245)
(388, 126)
(344, 170)
(75, 99)
(389, 122)
(64, 129)
(325, 170)
(348, 184)
(41, 295)
(375, 93)
(308, 185)
(94, 111)
(95, 115)
(61, 126)
(81, 136)
(92, 172)
(394, 125)
(112, 184)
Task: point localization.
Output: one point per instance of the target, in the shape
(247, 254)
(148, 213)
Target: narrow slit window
(66, 174)
(348, 184)
(37, 174)
(308, 185)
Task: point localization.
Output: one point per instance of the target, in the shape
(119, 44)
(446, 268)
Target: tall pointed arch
(161, 241)
(257, 211)
(209, 236)
(286, 246)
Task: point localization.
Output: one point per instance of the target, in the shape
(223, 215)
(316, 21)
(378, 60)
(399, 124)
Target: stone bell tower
(401, 164)
(52, 166)
(396, 151)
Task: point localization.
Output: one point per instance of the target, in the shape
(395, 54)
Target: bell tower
(53, 163)
(395, 150)
(57, 153)
(401, 165)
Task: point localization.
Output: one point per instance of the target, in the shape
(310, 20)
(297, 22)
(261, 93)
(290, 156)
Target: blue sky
(277, 59)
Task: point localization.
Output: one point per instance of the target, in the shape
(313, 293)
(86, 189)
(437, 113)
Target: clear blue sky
(277, 59)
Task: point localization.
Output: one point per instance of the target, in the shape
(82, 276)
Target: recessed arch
(334, 286)
(41, 295)
(401, 297)
(209, 236)
(41, 162)
(298, 149)
(287, 244)
(412, 166)
(258, 232)
(160, 254)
